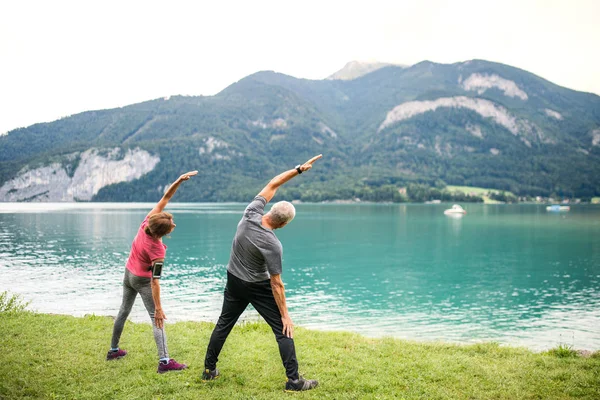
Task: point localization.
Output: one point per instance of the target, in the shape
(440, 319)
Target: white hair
(281, 213)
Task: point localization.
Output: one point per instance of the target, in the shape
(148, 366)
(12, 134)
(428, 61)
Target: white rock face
(94, 171)
(259, 123)
(475, 130)
(596, 137)
(485, 108)
(327, 130)
(211, 144)
(553, 114)
(278, 123)
(584, 151)
(483, 82)
(276, 137)
(356, 69)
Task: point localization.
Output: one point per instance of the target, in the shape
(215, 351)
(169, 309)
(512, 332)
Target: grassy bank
(56, 356)
(478, 191)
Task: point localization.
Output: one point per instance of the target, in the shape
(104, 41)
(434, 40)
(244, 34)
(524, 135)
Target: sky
(59, 58)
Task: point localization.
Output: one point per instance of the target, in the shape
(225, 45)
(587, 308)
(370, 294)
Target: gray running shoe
(300, 384)
(209, 375)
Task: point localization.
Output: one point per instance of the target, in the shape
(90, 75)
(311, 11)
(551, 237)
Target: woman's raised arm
(160, 206)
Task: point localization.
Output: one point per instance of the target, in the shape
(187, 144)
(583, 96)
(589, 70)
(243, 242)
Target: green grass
(478, 191)
(564, 350)
(10, 303)
(63, 357)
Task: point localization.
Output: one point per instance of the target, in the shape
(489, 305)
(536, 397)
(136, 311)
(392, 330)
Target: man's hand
(187, 175)
(269, 191)
(159, 317)
(308, 165)
(288, 327)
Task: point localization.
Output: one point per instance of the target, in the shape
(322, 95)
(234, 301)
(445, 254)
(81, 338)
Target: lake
(514, 274)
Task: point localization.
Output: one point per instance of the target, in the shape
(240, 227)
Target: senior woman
(142, 275)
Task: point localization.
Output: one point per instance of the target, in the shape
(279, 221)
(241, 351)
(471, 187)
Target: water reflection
(513, 274)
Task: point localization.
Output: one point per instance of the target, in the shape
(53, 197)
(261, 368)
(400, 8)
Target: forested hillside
(475, 123)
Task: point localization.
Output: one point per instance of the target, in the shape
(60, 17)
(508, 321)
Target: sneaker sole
(115, 358)
(298, 391)
(171, 370)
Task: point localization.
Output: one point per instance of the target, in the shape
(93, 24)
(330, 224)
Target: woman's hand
(159, 317)
(187, 175)
(170, 192)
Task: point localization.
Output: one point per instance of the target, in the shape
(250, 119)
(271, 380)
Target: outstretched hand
(160, 206)
(308, 165)
(159, 318)
(187, 175)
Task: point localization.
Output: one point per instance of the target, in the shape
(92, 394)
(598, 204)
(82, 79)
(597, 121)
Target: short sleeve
(273, 259)
(256, 207)
(157, 251)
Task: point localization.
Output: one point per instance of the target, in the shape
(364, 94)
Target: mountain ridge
(355, 69)
(470, 123)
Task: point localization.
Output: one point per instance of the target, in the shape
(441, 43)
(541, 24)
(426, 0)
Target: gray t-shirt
(255, 252)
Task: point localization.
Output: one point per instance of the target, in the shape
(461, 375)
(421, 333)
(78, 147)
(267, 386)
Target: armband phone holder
(157, 270)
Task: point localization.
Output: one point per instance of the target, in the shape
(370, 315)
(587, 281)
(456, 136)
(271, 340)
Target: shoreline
(259, 320)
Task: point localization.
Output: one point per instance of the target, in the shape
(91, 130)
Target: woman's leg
(142, 285)
(129, 294)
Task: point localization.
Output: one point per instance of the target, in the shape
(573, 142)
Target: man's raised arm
(269, 191)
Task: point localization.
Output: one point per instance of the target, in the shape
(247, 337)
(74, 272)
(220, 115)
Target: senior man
(254, 277)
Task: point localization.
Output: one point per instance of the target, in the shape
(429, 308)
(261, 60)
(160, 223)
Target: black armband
(157, 269)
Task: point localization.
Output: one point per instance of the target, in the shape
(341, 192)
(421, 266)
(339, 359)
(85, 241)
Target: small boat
(455, 210)
(557, 208)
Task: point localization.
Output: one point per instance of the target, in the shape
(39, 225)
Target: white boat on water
(557, 208)
(455, 210)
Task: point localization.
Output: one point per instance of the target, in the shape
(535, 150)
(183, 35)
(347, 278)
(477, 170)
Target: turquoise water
(514, 274)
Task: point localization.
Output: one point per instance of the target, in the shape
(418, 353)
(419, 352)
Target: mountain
(473, 123)
(356, 69)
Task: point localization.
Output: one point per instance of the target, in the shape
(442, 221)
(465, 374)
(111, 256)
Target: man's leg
(234, 304)
(263, 301)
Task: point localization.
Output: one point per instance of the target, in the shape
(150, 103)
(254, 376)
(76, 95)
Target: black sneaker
(300, 384)
(209, 375)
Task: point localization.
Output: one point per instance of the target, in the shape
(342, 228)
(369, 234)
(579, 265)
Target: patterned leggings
(132, 285)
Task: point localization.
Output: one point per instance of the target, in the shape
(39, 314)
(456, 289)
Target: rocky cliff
(79, 177)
